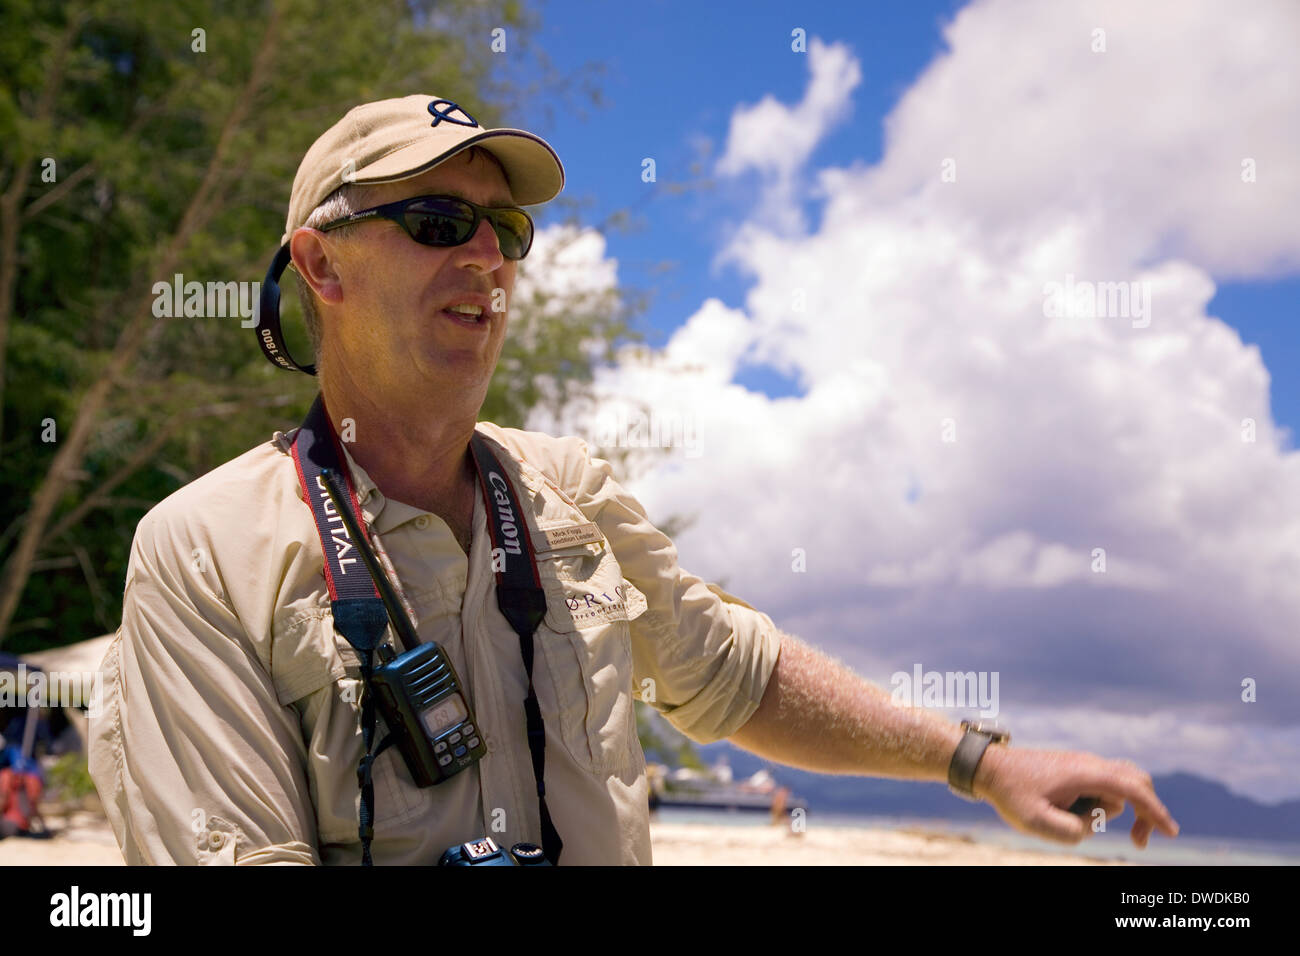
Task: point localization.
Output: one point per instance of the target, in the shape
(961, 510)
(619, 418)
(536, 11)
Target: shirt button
(215, 840)
(422, 522)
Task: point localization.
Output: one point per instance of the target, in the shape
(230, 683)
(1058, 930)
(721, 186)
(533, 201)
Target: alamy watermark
(622, 429)
(958, 689)
(1093, 300)
(38, 688)
(75, 908)
(198, 300)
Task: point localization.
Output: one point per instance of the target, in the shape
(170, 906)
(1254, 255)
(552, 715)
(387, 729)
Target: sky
(902, 423)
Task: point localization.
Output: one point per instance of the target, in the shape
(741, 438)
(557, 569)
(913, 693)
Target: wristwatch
(961, 771)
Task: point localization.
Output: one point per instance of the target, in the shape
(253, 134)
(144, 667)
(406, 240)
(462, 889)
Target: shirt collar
(382, 514)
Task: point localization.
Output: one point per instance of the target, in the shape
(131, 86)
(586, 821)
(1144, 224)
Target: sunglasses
(450, 221)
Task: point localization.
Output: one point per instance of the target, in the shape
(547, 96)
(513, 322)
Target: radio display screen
(444, 715)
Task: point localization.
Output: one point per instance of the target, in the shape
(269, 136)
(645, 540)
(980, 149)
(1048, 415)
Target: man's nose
(482, 248)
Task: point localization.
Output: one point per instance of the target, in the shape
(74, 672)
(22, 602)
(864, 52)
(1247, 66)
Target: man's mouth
(470, 315)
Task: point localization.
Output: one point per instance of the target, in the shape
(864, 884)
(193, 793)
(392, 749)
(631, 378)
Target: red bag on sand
(19, 794)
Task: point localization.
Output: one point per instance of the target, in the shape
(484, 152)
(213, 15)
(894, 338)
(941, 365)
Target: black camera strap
(363, 603)
(522, 601)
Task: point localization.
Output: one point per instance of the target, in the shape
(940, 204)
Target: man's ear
(315, 258)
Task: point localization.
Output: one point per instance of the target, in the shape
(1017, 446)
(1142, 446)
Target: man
(232, 732)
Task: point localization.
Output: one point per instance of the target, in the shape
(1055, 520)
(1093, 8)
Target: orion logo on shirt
(589, 601)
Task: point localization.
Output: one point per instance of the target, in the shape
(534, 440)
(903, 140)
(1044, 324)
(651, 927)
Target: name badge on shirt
(570, 535)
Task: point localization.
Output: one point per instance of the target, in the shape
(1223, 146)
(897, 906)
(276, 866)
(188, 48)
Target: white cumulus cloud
(977, 483)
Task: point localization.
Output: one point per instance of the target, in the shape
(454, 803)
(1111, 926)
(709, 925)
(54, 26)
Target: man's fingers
(1113, 807)
(1110, 807)
(1141, 833)
(1061, 825)
(1133, 784)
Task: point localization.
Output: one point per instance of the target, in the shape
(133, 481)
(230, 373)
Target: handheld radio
(420, 699)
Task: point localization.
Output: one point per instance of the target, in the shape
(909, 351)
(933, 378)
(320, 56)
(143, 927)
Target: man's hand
(1033, 789)
(818, 715)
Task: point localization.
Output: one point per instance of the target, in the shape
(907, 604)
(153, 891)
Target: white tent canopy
(82, 656)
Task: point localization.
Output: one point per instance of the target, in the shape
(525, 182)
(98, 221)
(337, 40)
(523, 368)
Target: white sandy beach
(690, 844)
(85, 840)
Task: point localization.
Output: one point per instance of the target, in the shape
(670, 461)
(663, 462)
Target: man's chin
(443, 374)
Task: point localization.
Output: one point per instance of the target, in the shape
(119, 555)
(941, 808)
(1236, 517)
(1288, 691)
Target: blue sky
(1267, 313)
(886, 435)
(725, 54)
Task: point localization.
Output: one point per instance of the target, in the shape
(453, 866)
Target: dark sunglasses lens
(448, 222)
(514, 232)
(438, 222)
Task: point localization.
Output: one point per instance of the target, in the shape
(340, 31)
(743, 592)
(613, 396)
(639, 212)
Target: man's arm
(818, 715)
(194, 758)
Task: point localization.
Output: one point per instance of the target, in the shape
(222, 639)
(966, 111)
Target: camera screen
(444, 715)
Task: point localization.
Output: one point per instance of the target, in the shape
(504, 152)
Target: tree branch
(143, 456)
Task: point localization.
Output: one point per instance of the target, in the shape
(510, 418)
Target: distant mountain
(1202, 807)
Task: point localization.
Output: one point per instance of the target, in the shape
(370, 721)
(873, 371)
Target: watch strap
(961, 771)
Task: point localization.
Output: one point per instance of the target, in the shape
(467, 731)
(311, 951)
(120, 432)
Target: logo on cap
(445, 114)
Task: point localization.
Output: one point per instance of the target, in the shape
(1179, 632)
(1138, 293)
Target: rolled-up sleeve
(194, 758)
(709, 654)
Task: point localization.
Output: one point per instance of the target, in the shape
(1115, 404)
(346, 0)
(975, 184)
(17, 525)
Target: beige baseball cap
(391, 140)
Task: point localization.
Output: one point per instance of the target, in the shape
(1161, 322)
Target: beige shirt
(230, 726)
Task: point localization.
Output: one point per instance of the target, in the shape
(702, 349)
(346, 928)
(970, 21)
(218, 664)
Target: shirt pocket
(585, 641)
(318, 673)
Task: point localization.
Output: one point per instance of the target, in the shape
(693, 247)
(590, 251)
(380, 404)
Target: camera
(484, 852)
